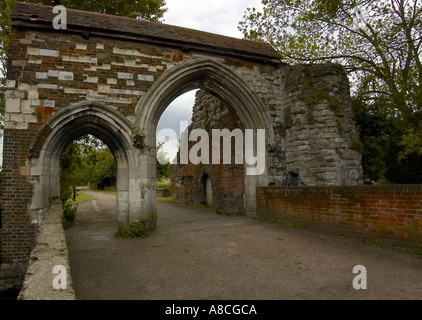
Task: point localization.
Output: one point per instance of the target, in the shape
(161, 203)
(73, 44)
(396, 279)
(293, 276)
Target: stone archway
(224, 83)
(65, 126)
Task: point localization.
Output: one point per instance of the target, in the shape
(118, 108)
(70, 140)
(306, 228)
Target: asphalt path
(197, 254)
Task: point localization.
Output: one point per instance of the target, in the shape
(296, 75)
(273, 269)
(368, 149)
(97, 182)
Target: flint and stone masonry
(113, 77)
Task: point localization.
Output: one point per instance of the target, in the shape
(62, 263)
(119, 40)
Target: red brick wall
(18, 232)
(388, 213)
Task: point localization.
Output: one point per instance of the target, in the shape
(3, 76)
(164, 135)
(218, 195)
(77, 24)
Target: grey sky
(217, 16)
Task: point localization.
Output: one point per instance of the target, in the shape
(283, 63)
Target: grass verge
(165, 200)
(83, 197)
(107, 192)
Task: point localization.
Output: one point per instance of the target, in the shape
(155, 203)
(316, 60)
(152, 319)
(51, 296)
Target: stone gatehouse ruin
(113, 77)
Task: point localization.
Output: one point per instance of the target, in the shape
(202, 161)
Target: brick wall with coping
(387, 213)
(50, 251)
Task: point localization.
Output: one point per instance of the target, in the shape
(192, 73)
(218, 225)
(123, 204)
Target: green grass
(294, 225)
(83, 197)
(165, 200)
(103, 191)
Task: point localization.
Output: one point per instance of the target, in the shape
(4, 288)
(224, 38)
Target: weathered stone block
(66, 76)
(33, 51)
(13, 104)
(91, 79)
(49, 53)
(104, 88)
(81, 46)
(53, 73)
(125, 75)
(143, 77)
(49, 103)
(41, 75)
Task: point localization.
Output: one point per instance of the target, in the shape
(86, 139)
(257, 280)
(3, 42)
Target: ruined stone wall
(320, 131)
(313, 122)
(50, 251)
(188, 182)
(314, 126)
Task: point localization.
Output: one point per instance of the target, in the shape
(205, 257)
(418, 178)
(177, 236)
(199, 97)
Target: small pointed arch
(59, 131)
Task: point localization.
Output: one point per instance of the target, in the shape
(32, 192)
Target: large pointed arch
(219, 80)
(210, 75)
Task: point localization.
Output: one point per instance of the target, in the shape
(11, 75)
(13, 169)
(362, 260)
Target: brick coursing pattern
(18, 230)
(387, 213)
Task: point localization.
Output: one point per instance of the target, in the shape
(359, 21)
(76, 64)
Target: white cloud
(216, 16)
(179, 110)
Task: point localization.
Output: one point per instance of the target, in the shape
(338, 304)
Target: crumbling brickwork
(188, 182)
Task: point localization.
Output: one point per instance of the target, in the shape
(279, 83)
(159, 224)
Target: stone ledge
(50, 251)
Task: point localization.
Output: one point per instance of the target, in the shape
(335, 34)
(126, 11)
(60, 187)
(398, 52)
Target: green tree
(152, 10)
(103, 167)
(86, 161)
(379, 42)
(163, 163)
(72, 170)
(6, 8)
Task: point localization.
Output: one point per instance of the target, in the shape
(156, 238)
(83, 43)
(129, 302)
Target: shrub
(136, 230)
(163, 183)
(69, 213)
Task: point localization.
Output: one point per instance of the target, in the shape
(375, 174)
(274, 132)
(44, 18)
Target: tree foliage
(6, 8)
(85, 162)
(152, 10)
(379, 42)
(163, 163)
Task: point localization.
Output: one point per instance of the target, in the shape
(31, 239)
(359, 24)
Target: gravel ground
(196, 254)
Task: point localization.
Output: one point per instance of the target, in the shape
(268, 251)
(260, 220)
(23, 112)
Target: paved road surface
(198, 254)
